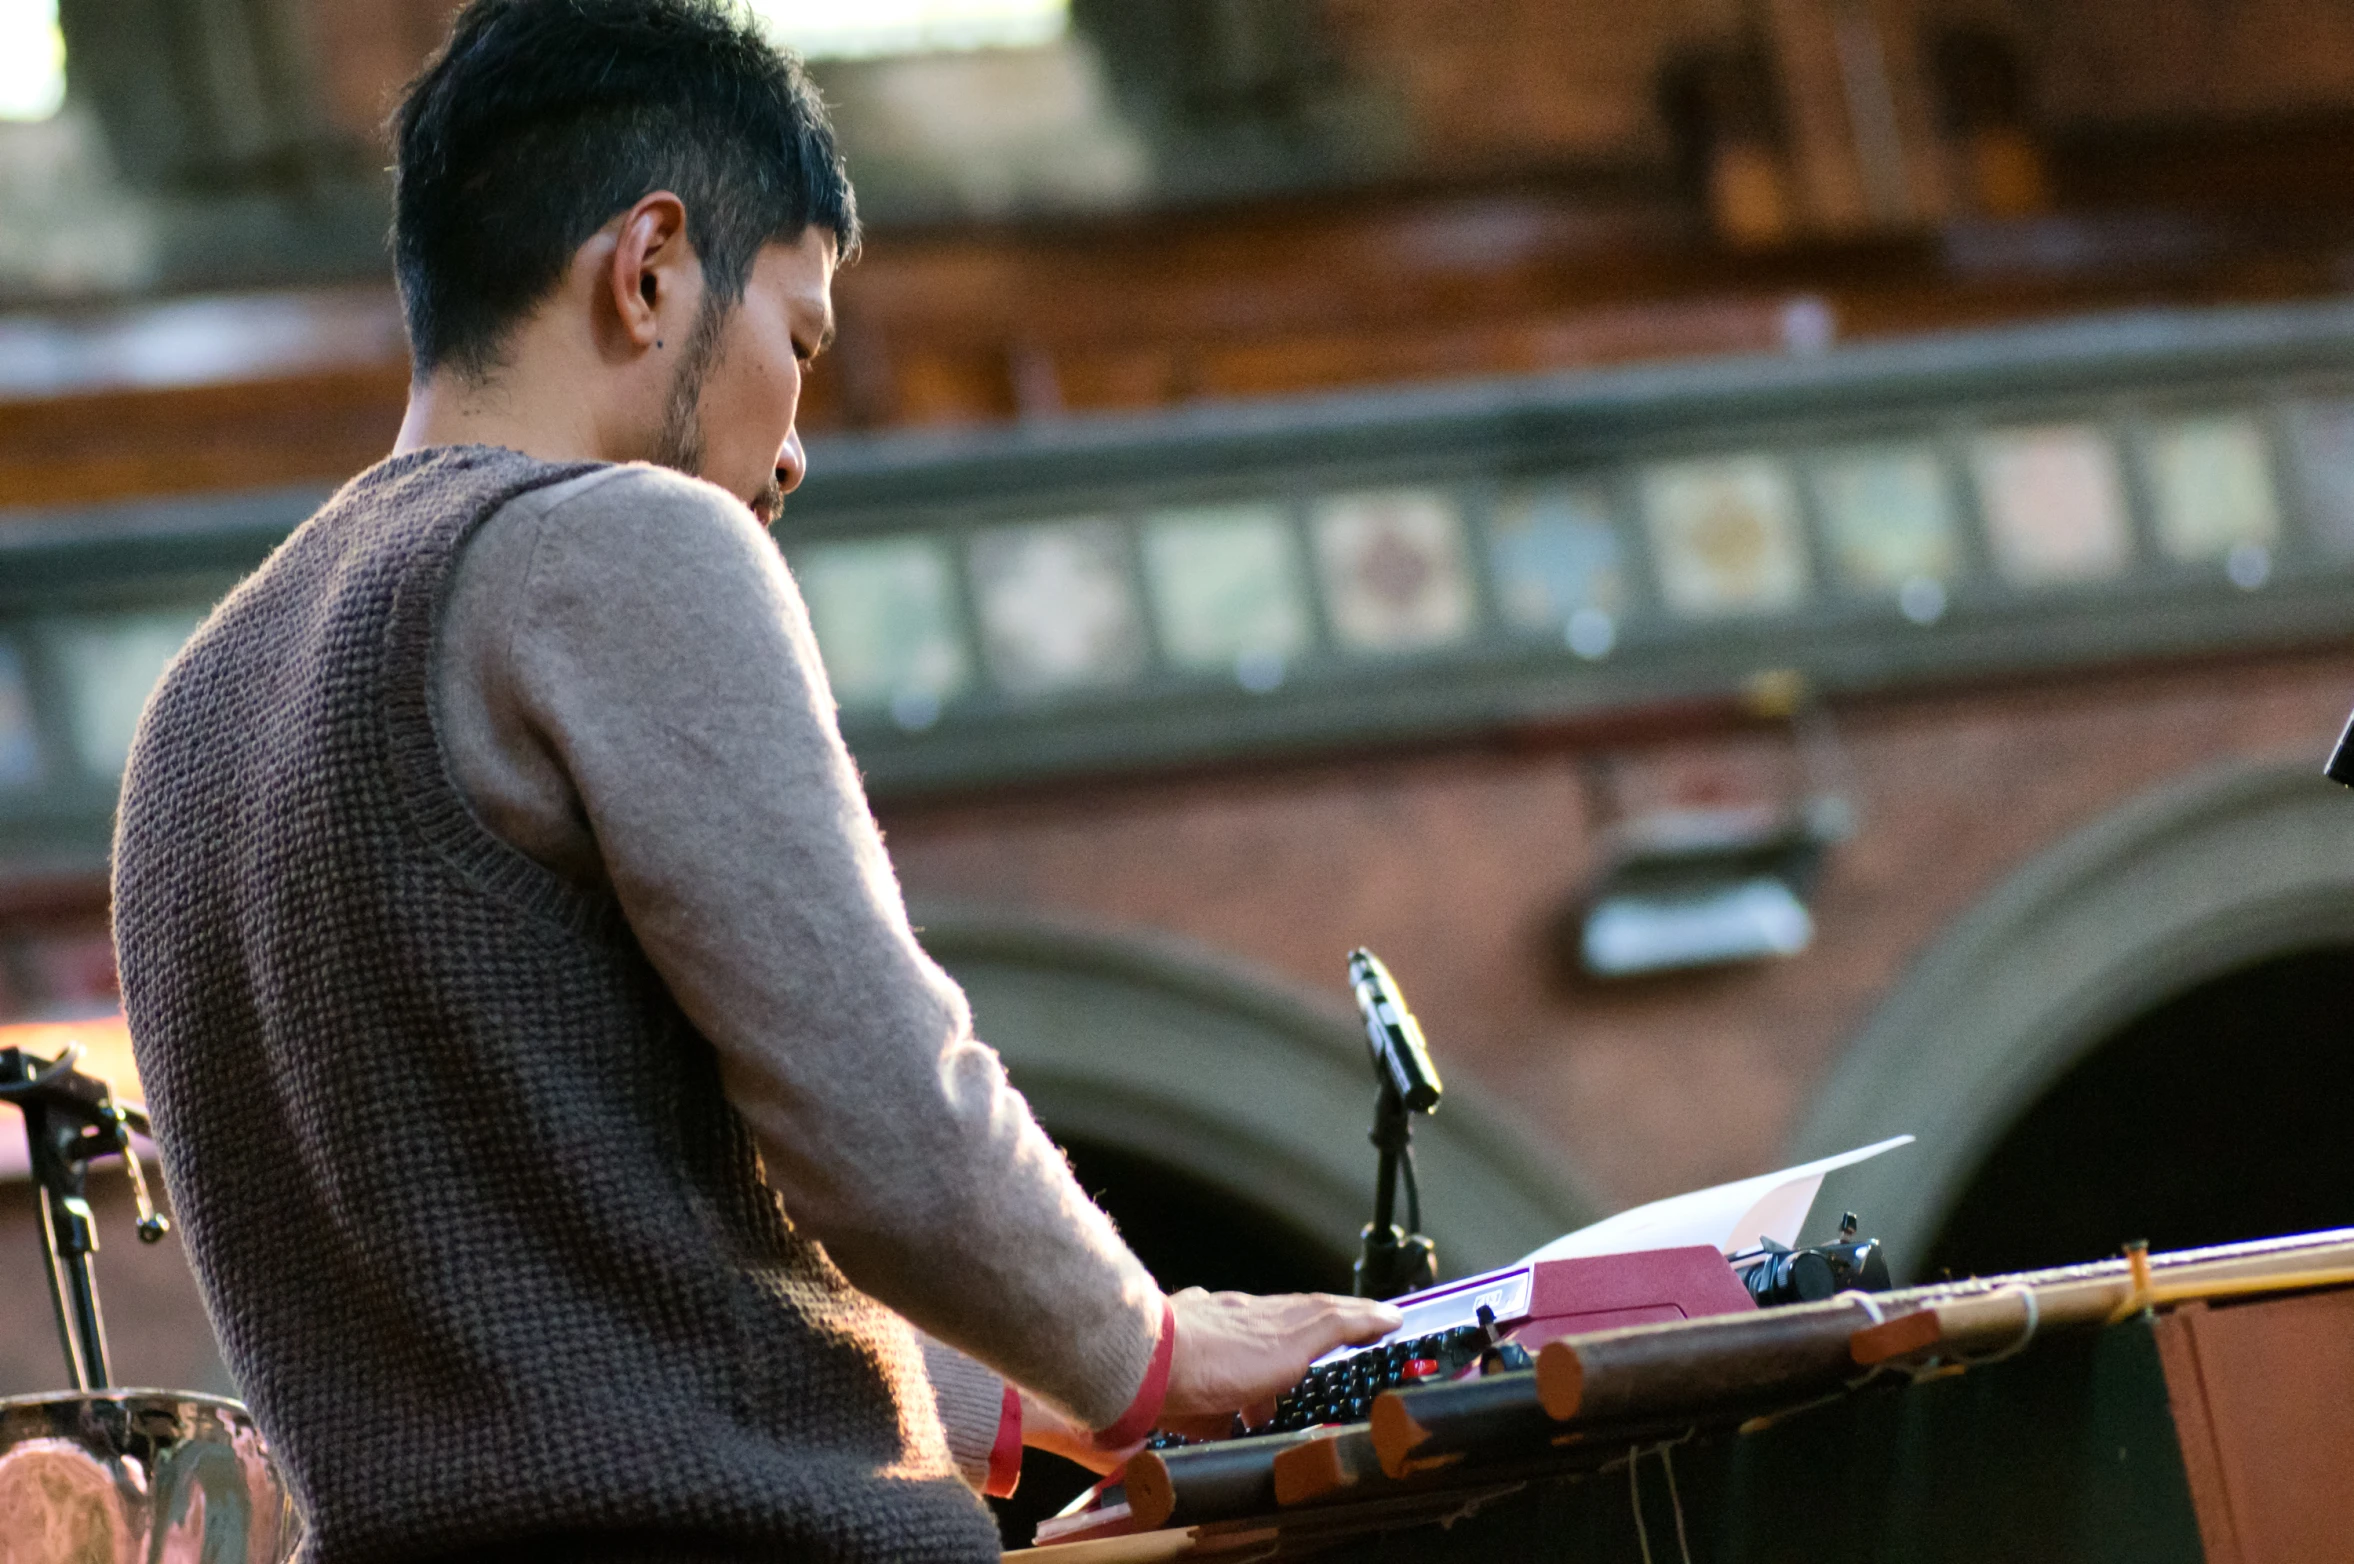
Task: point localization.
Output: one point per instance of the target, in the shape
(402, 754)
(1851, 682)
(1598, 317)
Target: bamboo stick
(1206, 1482)
(1698, 1367)
(1431, 1426)
(1742, 1364)
(2013, 1311)
(1590, 1391)
(1314, 1469)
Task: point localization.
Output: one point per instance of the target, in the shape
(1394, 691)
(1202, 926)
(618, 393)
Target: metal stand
(71, 1118)
(1394, 1260)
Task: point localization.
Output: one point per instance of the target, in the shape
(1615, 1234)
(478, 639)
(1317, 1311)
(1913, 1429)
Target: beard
(680, 446)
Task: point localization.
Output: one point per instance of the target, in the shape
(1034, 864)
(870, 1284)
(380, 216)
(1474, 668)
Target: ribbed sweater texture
(488, 1250)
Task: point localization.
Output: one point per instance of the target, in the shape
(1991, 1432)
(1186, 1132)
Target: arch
(2217, 1114)
(1237, 1080)
(2178, 886)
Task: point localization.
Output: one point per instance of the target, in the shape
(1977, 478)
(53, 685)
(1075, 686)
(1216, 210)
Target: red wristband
(1145, 1410)
(1005, 1456)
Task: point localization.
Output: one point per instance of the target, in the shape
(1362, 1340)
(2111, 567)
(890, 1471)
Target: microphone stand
(1394, 1260)
(71, 1118)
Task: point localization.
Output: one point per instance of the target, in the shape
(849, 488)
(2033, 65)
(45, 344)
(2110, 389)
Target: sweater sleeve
(662, 660)
(972, 1401)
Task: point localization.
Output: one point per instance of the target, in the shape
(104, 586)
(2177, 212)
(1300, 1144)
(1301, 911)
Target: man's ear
(656, 280)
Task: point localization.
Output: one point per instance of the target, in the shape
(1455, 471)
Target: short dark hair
(541, 119)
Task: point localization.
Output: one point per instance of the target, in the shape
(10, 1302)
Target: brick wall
(1660, 1084)
(1546, 232)
(2121, 60)
(365, 53)
(1519, 81)
(1503, 81)
(1523, 80)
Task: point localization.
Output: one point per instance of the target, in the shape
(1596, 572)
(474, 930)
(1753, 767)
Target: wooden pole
(1342, 1463)
(1206, 1482)
(1431, 1426)
(1589, 1394)
(2007, 1315)
(1741, 1365)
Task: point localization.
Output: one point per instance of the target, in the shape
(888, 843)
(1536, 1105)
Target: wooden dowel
(1691, 1367)
(1983, 1322)
(1697, 1367)
(1596, 1388)
(1429, 1426)
(1207, 1482)
(2246, 1286)
(1971, 1324)
(2271, 1256)
(1317, 1469)
(1902, 1337)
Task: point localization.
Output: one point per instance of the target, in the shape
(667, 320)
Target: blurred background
(1789, 564)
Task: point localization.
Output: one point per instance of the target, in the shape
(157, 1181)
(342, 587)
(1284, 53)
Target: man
(566, 1127)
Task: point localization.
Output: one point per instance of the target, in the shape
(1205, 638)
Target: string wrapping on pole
(1635, 1499)
(2026, 1334)
(1667, 1464)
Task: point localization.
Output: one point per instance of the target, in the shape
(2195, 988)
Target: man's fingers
(1234, 1349)
(1352, 1322)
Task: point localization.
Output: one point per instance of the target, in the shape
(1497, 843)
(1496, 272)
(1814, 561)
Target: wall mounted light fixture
(1684, 888)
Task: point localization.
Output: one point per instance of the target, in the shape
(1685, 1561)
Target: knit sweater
(628, 693)
(487, 1245)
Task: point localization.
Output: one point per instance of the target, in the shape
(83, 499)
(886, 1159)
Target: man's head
(658, 174)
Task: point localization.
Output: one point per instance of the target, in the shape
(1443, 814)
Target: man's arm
(982, 1416)
(659, 660)
(663, 656)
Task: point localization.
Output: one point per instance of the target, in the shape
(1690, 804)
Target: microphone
(1394, 1259)
(1401, 1061)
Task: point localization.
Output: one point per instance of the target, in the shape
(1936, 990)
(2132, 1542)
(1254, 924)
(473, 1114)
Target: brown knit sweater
(487, 1246)
(628, 693)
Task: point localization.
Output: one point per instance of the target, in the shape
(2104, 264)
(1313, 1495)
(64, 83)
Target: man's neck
(551, 395)
(452, 409)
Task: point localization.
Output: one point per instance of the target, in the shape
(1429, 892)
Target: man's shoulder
(619, 521)
(625, 495)
(639, 539)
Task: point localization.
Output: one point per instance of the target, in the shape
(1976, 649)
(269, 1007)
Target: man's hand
(1044, 1427)
(1236, 1351)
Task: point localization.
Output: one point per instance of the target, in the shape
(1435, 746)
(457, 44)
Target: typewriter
(1497, 1321)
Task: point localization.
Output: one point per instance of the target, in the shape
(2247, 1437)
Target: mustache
(769, 503)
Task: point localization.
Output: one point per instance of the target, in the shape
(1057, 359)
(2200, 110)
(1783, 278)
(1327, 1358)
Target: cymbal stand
(71, 1118)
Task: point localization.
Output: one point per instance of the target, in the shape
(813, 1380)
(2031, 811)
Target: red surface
(1572, 1297)
(1005, 1456)
(1647, 1088)
(2261, 1408)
